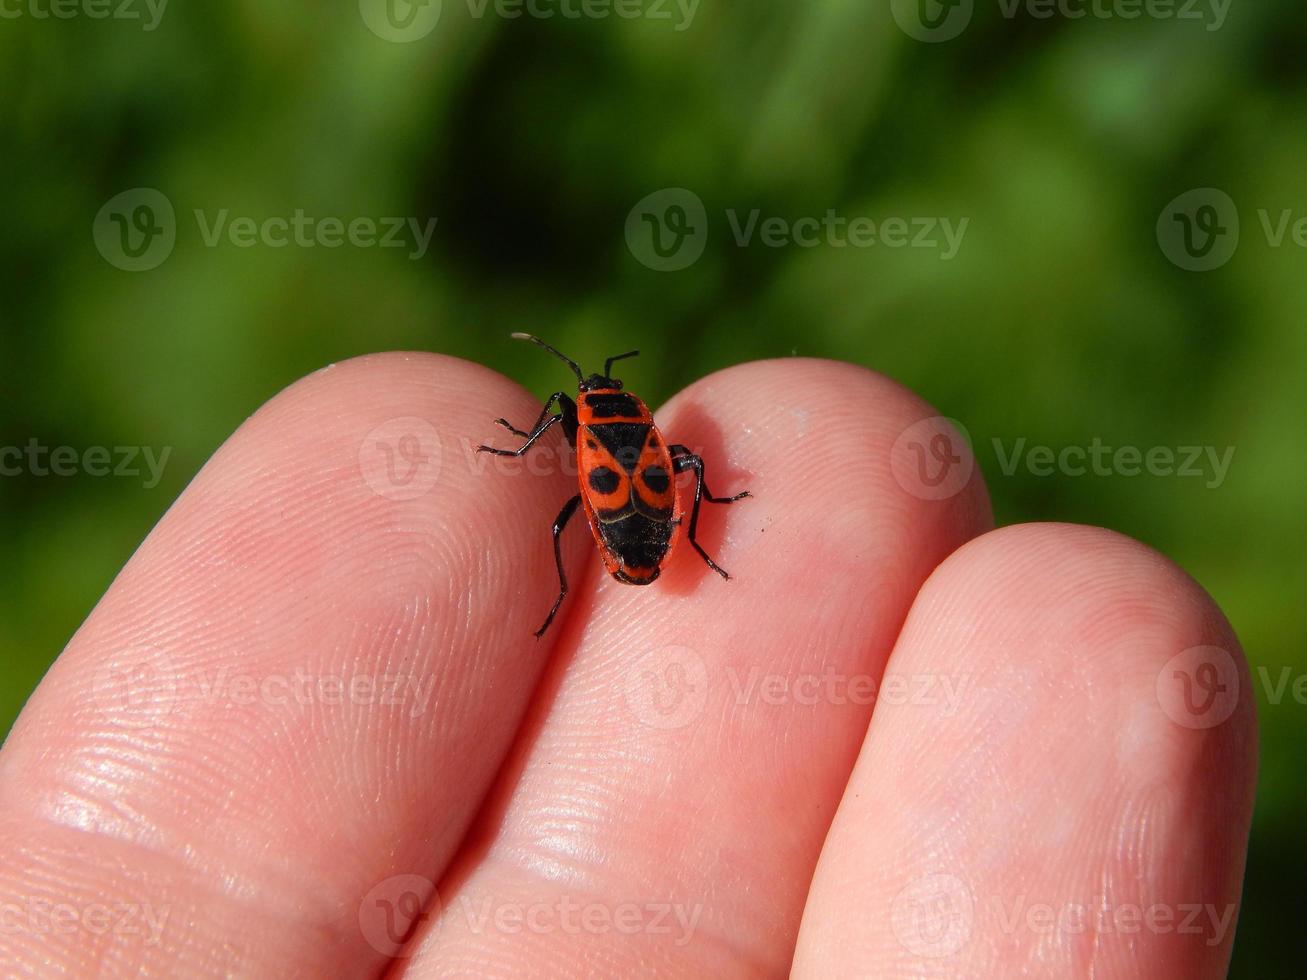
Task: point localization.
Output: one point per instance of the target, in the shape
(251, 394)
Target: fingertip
(833, 448)
(1094, 747)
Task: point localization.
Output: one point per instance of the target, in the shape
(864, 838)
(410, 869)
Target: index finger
(298, 688)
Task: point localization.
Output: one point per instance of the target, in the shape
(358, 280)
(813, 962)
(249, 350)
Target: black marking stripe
(614, 406)
(625, 440)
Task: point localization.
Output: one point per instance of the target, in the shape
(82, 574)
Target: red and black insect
(627, 476)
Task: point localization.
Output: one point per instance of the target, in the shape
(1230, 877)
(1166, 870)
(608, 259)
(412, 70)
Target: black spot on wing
(656, 478)
(603, 480)
(625, 440)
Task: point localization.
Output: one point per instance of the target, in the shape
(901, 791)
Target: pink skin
(762, 823)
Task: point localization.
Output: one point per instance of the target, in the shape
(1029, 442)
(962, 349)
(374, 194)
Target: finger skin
(1066, 816)
(331, 633)
(655, 826)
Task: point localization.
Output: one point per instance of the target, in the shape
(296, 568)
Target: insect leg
(541, 429)
(560, 522)
(567, 409)
(691, 461)
(543, 413)
(512, 428)
(682, 460)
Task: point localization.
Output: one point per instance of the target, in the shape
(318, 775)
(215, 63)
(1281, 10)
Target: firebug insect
(626, 473)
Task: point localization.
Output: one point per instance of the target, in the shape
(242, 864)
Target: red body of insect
(627, 489)
(626, 473)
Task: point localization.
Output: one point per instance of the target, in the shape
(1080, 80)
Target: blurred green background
(1061, 319)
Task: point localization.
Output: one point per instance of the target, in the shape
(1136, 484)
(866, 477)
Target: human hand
(313, 695)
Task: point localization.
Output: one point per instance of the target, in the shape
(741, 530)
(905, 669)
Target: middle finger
(669, 796)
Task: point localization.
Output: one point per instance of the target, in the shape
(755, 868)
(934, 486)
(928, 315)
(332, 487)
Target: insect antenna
(580, 378)
(608, 364)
